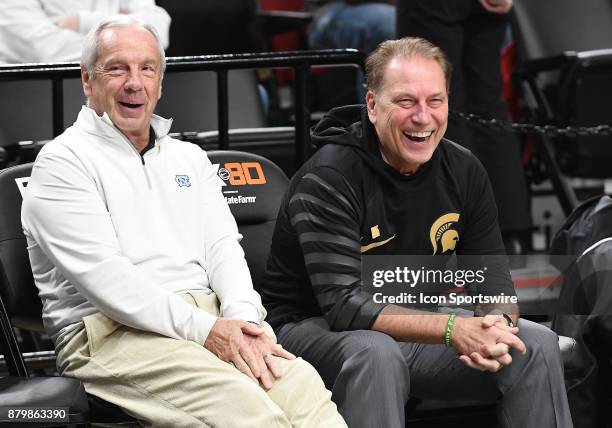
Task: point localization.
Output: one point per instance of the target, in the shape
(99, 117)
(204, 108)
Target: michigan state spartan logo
(442, 235)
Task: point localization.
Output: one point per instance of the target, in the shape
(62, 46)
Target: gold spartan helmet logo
(441, 232)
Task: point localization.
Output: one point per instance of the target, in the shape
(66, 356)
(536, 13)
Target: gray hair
(407, 47)
(91, 44)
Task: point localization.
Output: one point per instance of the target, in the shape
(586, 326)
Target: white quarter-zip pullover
(113, 232)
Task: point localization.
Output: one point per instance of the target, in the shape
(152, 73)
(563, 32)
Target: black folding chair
(277, 144)
(254, 188)
(564, 48)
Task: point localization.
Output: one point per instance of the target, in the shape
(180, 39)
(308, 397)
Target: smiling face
(127, 81)
(409, 111)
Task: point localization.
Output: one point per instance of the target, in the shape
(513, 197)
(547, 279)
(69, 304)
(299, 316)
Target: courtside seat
(20, 307)
(564, 55)
(44, 393)
(253, 187)
(276, 144)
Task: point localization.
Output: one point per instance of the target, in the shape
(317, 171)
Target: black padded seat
(45, 392)
(254, 199)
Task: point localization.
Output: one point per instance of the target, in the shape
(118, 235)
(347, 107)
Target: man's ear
(86, 81)
(370, 104)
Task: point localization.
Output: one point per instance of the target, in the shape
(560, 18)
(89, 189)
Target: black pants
(371, 376)
(472, 39)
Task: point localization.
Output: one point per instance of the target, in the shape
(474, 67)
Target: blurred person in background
(349, 24)
(54, 30)
(471, 33)
(356, 24)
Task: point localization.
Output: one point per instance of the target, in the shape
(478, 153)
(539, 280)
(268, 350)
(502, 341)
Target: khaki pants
(165, 382)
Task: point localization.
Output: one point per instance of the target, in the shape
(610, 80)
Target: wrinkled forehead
(133, 39)
(413, 71)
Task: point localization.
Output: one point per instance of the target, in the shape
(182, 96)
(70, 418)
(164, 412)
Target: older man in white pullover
(145, 289)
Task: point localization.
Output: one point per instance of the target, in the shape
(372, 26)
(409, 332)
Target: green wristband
(448, 333)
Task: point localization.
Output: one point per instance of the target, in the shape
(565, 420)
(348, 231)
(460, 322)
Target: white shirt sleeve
(145, 10)
(27, 34)
(64, 213)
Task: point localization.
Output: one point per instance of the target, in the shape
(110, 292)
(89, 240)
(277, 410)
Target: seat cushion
(45, 392)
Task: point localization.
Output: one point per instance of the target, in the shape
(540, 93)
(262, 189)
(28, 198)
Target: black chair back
(19, 294)
(567, 46)
(254, 187)
(543, 28)
(274, 143)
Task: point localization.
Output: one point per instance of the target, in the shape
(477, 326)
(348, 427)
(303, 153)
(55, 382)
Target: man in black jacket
(471, 33)
(386, 182)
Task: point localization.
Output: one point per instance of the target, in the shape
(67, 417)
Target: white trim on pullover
(112, 232)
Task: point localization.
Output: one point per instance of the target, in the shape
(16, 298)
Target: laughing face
(127, 81)
(409, 112)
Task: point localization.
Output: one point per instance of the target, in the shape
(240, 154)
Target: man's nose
(134, 81)
(421, 114)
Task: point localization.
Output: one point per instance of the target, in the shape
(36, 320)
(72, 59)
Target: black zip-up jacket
(346, 201)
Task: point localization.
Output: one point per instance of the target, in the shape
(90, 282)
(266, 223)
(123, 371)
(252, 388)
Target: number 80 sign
(241, 173)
